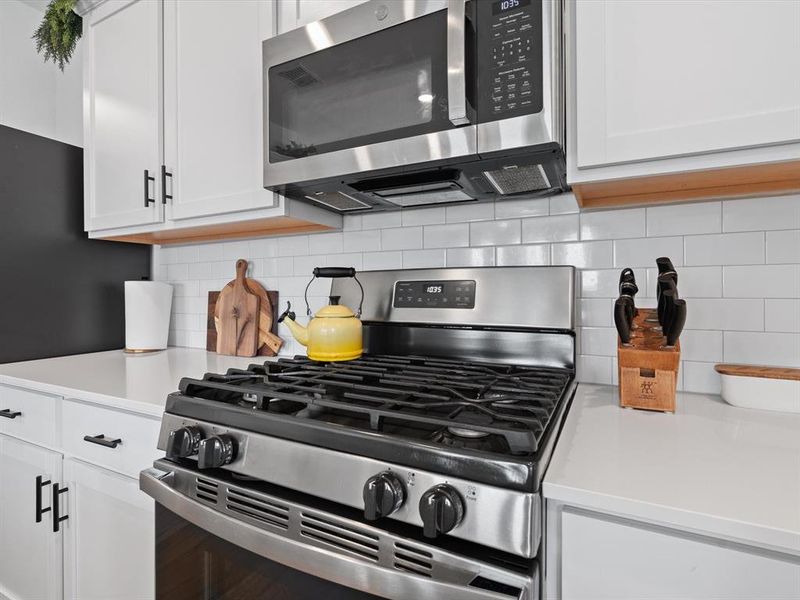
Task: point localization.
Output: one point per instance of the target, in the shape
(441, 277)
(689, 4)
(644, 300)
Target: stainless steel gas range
(412, 473)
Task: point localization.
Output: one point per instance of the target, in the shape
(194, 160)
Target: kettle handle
(334, 272)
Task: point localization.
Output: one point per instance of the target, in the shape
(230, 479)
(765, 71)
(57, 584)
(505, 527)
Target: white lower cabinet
(109, 537)
(606, 558)
(30, 552)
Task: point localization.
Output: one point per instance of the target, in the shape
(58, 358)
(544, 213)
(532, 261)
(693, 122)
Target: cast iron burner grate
(489, 407)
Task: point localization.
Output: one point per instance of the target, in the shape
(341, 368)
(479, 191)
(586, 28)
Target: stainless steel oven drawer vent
(413, 560)
(206, 490)
(338, 201)
(515, 180)
(341, 538)
(250, 506)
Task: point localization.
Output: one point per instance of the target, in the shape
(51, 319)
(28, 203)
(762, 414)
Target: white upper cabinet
(122, 114)
(213, 105)
(656, 79)
(296, 13)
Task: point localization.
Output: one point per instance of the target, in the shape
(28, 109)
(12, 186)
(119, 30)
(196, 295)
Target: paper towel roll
(147, 310)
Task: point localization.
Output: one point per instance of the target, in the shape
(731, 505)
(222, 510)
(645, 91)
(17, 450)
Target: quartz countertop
(136, 382)
(710, 468)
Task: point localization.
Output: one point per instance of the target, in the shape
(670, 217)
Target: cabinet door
(122, 113)
(296, 13)
(213, 105)
(109, 541)
(657, 78)
(616, 560)
(30, 552)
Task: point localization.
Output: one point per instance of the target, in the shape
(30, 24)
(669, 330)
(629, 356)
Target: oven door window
(193, 564)
(387, 85)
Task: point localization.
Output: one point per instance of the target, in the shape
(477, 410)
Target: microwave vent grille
(299, 76)
(338, 201)
(515, 180)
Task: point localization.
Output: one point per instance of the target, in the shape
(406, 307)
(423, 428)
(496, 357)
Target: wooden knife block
(648, 372)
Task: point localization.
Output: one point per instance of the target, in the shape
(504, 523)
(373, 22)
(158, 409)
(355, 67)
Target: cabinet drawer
(29, 415)
(137, 435)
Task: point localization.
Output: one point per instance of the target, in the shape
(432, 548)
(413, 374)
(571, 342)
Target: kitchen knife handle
(665, 267)
(627, 276)
(668, 303)
(665, 282)
(677, 322)
(621, 320)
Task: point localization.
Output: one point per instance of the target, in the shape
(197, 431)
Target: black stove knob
(183, 442)
(383, 494)
(441, 509)
(216, 451)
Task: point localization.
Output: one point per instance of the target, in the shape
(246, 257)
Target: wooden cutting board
(238, 310)
(269, 342)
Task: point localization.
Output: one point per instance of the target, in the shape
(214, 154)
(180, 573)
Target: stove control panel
(435, 294)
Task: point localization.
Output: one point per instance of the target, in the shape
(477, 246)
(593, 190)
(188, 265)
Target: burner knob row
(212, 452)
(383, 494)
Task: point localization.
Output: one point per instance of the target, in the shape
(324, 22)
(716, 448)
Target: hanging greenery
(59, 32)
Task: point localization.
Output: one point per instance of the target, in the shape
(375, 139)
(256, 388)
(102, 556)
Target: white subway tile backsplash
(684, 219)
(644, 252)
(295, 245)
(424, 259)
(584, 255)
(762, 281)
(376, 261)
(325, 243)
(446, 236)
(381, 220)
(700, 377)
(473, 211)
(783, 246)
(528, 207)
(401, 238)
(563, 204)
(761, 214)
(536, 254)
(613, 224)
(470, 257)
(701, 345)
(559, 228)
(725, 249)
(494, 233)
(423, 216)
(736, 314)
(693, 282)
(361, 241)
(777, 349)
(782, 315)
(489, 233)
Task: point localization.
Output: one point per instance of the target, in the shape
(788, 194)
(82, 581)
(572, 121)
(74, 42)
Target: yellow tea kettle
(334, 333)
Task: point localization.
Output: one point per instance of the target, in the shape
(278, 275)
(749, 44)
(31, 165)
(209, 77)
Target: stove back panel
(522, 297)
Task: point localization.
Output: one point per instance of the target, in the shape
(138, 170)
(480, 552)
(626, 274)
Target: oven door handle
(456, 62)
(343, 570)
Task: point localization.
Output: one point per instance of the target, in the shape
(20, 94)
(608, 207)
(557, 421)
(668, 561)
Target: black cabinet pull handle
(10, 414)
(57, 517)
(39, 510)
(164, 175)
(147, 180)
(102, 440)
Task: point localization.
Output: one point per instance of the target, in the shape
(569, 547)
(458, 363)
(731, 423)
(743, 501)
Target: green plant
(58, 32)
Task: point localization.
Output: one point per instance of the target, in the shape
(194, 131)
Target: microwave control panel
(435, 294)
(509, 58)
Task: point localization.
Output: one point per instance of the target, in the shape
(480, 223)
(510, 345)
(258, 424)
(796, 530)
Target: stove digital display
(435, 294)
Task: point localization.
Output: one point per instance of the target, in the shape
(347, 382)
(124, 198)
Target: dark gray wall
(60, 292)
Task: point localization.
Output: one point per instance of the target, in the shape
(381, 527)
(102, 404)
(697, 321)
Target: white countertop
(136, 382)
(711, 468)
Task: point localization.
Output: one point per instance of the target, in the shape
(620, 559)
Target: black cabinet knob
(383, 494)
(183, 442)
(441, 509)
(216, 451)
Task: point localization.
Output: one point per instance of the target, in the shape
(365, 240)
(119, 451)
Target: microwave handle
(456, 62)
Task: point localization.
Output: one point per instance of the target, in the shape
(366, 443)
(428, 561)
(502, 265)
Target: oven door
(381, 85)
(219, 539)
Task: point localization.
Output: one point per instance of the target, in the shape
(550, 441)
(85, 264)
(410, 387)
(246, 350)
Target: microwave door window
(387, 85)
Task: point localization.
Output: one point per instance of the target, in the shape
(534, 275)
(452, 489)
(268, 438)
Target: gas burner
(458, 437)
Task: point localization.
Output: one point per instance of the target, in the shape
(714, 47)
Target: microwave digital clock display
(504, 5)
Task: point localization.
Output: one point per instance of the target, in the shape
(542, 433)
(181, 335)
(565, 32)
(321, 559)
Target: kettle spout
(299, 332)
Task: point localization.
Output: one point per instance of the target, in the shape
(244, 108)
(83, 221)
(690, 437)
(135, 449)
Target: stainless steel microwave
(400, 103)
